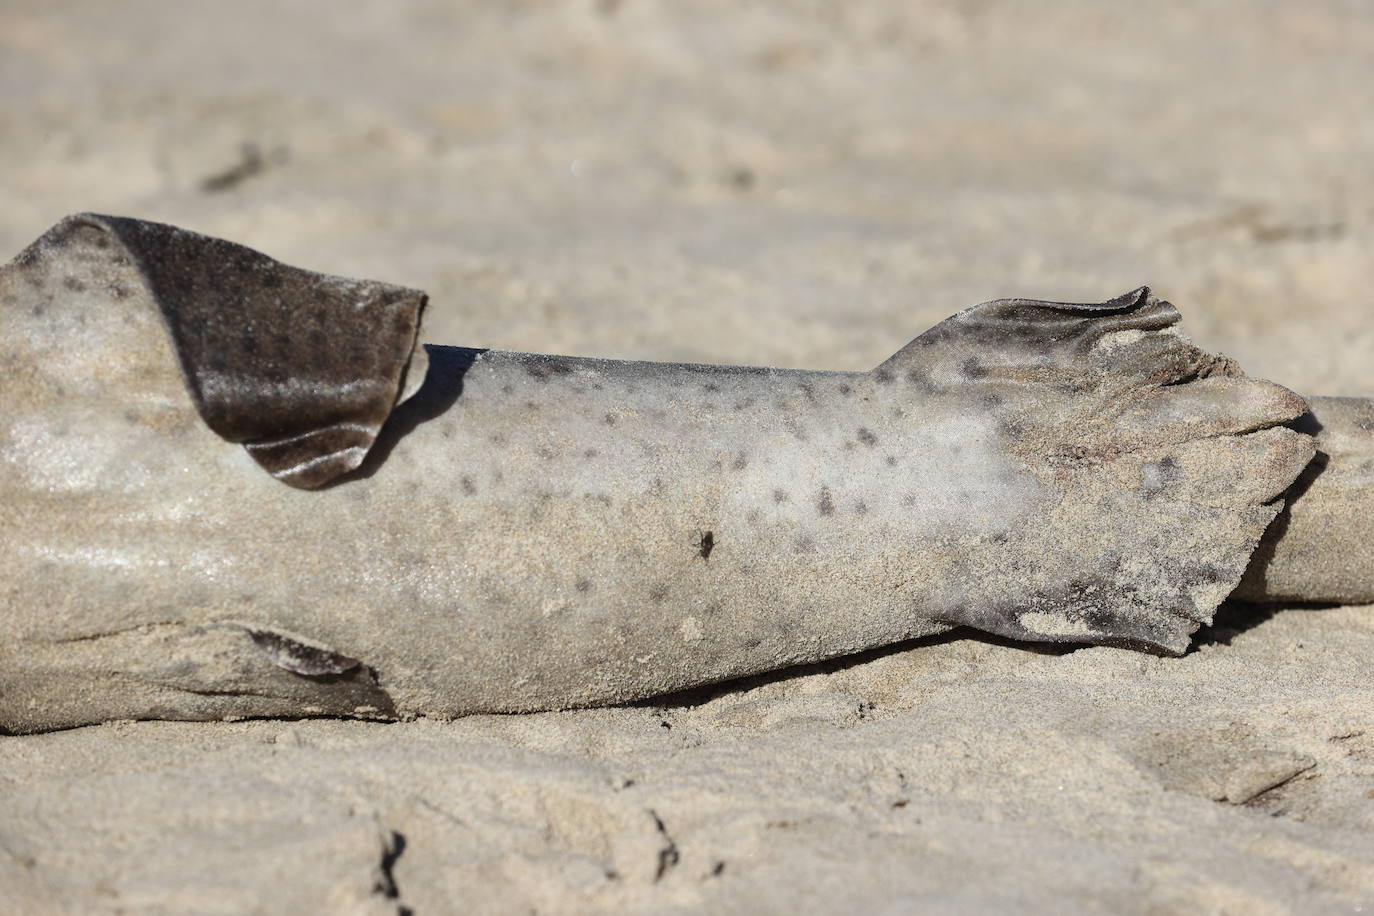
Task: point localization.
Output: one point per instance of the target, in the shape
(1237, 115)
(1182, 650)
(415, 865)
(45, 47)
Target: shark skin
(428, 530)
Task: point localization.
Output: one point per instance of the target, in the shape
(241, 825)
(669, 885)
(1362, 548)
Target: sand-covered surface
(787, 184)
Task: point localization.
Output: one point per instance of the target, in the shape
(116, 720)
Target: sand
(801, 186)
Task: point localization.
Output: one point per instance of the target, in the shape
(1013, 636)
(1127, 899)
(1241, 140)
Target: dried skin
(531, 532)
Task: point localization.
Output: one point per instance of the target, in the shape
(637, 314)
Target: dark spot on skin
(861, 507)
(826, 503)
(468, 486)
(848, 445)
(909, 499)
(609, 419)
(892, 461)
(752, 516)
(1011, 428)
(804, 544)
(590, 453)
(497, 438)
(741, 462)
(597, 386)
(779, 496)
(546, 453)
(807, 390)
(921, 380)
(532, 405)
(747, 402)
(752, 642)
(74, 284)
(706, 542)
(867, 437)
(119, 291)
(658, 593)
(710, 386)
(1159, 476)
(991, 401)
(542, 369)
(883, 376)
(845, 390)
(507, 389)
(973, 368)
(583, 585)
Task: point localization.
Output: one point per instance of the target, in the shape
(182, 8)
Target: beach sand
(803, 185)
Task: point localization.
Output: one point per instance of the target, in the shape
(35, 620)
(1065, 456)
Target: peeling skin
(532, 532)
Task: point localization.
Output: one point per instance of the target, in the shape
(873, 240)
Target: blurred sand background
(805, 184)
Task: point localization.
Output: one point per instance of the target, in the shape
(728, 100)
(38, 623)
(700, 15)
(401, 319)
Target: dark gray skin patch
(242, 326)
(973, 368)
(867, 437)
(1159, 476)
(310, 661)
(825, 503)
(546, 367)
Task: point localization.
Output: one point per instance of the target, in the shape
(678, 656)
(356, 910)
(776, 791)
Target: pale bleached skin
(534, 532)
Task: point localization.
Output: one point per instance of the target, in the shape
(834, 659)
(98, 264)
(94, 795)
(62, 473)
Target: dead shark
(407, 529)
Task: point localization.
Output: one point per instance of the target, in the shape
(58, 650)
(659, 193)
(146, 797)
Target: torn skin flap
(302, 368)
